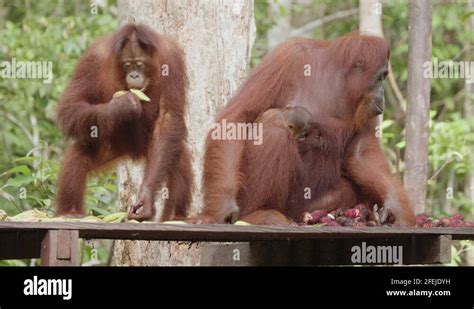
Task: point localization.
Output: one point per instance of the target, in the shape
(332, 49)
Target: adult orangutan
(340, 83)
(105, 128)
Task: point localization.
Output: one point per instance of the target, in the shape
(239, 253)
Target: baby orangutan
(296, 119)
(267, 187)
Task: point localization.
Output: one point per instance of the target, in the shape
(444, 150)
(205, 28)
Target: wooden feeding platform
(57, 243)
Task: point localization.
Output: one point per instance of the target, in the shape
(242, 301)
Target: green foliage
(95, 253)
(31, 142)
(450, 133)
(263, 23)
(458, 250)
(14, 262)
(450, 146)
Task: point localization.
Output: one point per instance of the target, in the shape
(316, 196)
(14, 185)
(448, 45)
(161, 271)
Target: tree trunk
(217, 37)
(370, 12)
(417, 118)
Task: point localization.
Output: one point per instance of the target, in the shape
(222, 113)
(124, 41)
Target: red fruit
(326, 219)
(360, 224)
(428, 224)
(437, 223)
(421, 219)
(333, 224)
(458, 217)
(317, 215)
(363, 210)
(445, 222)
(352, 213)
(457, 223)
(469, 223)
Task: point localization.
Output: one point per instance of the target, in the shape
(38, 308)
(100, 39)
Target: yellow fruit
(90, 219)
(141, 96)
(119, 93)
(3, 215)
(33, 215)
(115, 217)
(241, 223)
(175, 222)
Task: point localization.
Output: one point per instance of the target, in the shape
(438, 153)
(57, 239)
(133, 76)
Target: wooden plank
(414, 251)
(64, 245)
(226, 232)
(48, 248)
(21, 244)
(273, 253)
(225, 254)
(289, 246)
(432, 250)
(60, 248)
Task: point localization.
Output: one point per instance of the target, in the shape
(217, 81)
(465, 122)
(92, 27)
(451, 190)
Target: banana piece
(90, 219)
(3, 215)
(119, 93)
(241, 223)
(175, 222)
(140, 94)
(33, 215)
(115, 217)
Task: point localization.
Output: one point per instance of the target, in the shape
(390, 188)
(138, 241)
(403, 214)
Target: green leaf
(26, 159)
(387, 123)
(466, 15)
(18, 181)
(401, 144)
(22, 169)
(283, 11)
(37, 201)
(100, 211)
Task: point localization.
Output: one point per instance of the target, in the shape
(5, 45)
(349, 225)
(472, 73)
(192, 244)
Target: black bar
(281, 285)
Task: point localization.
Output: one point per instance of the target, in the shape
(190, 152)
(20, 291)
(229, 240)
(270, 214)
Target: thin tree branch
(16, 122)
(306, 29)
(401, 101)
(451, 159)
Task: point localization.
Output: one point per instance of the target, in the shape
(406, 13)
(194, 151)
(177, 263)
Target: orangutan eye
(140, 64)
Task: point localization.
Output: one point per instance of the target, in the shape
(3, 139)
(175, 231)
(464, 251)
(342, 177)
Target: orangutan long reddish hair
(339, 82)
(105, 128)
